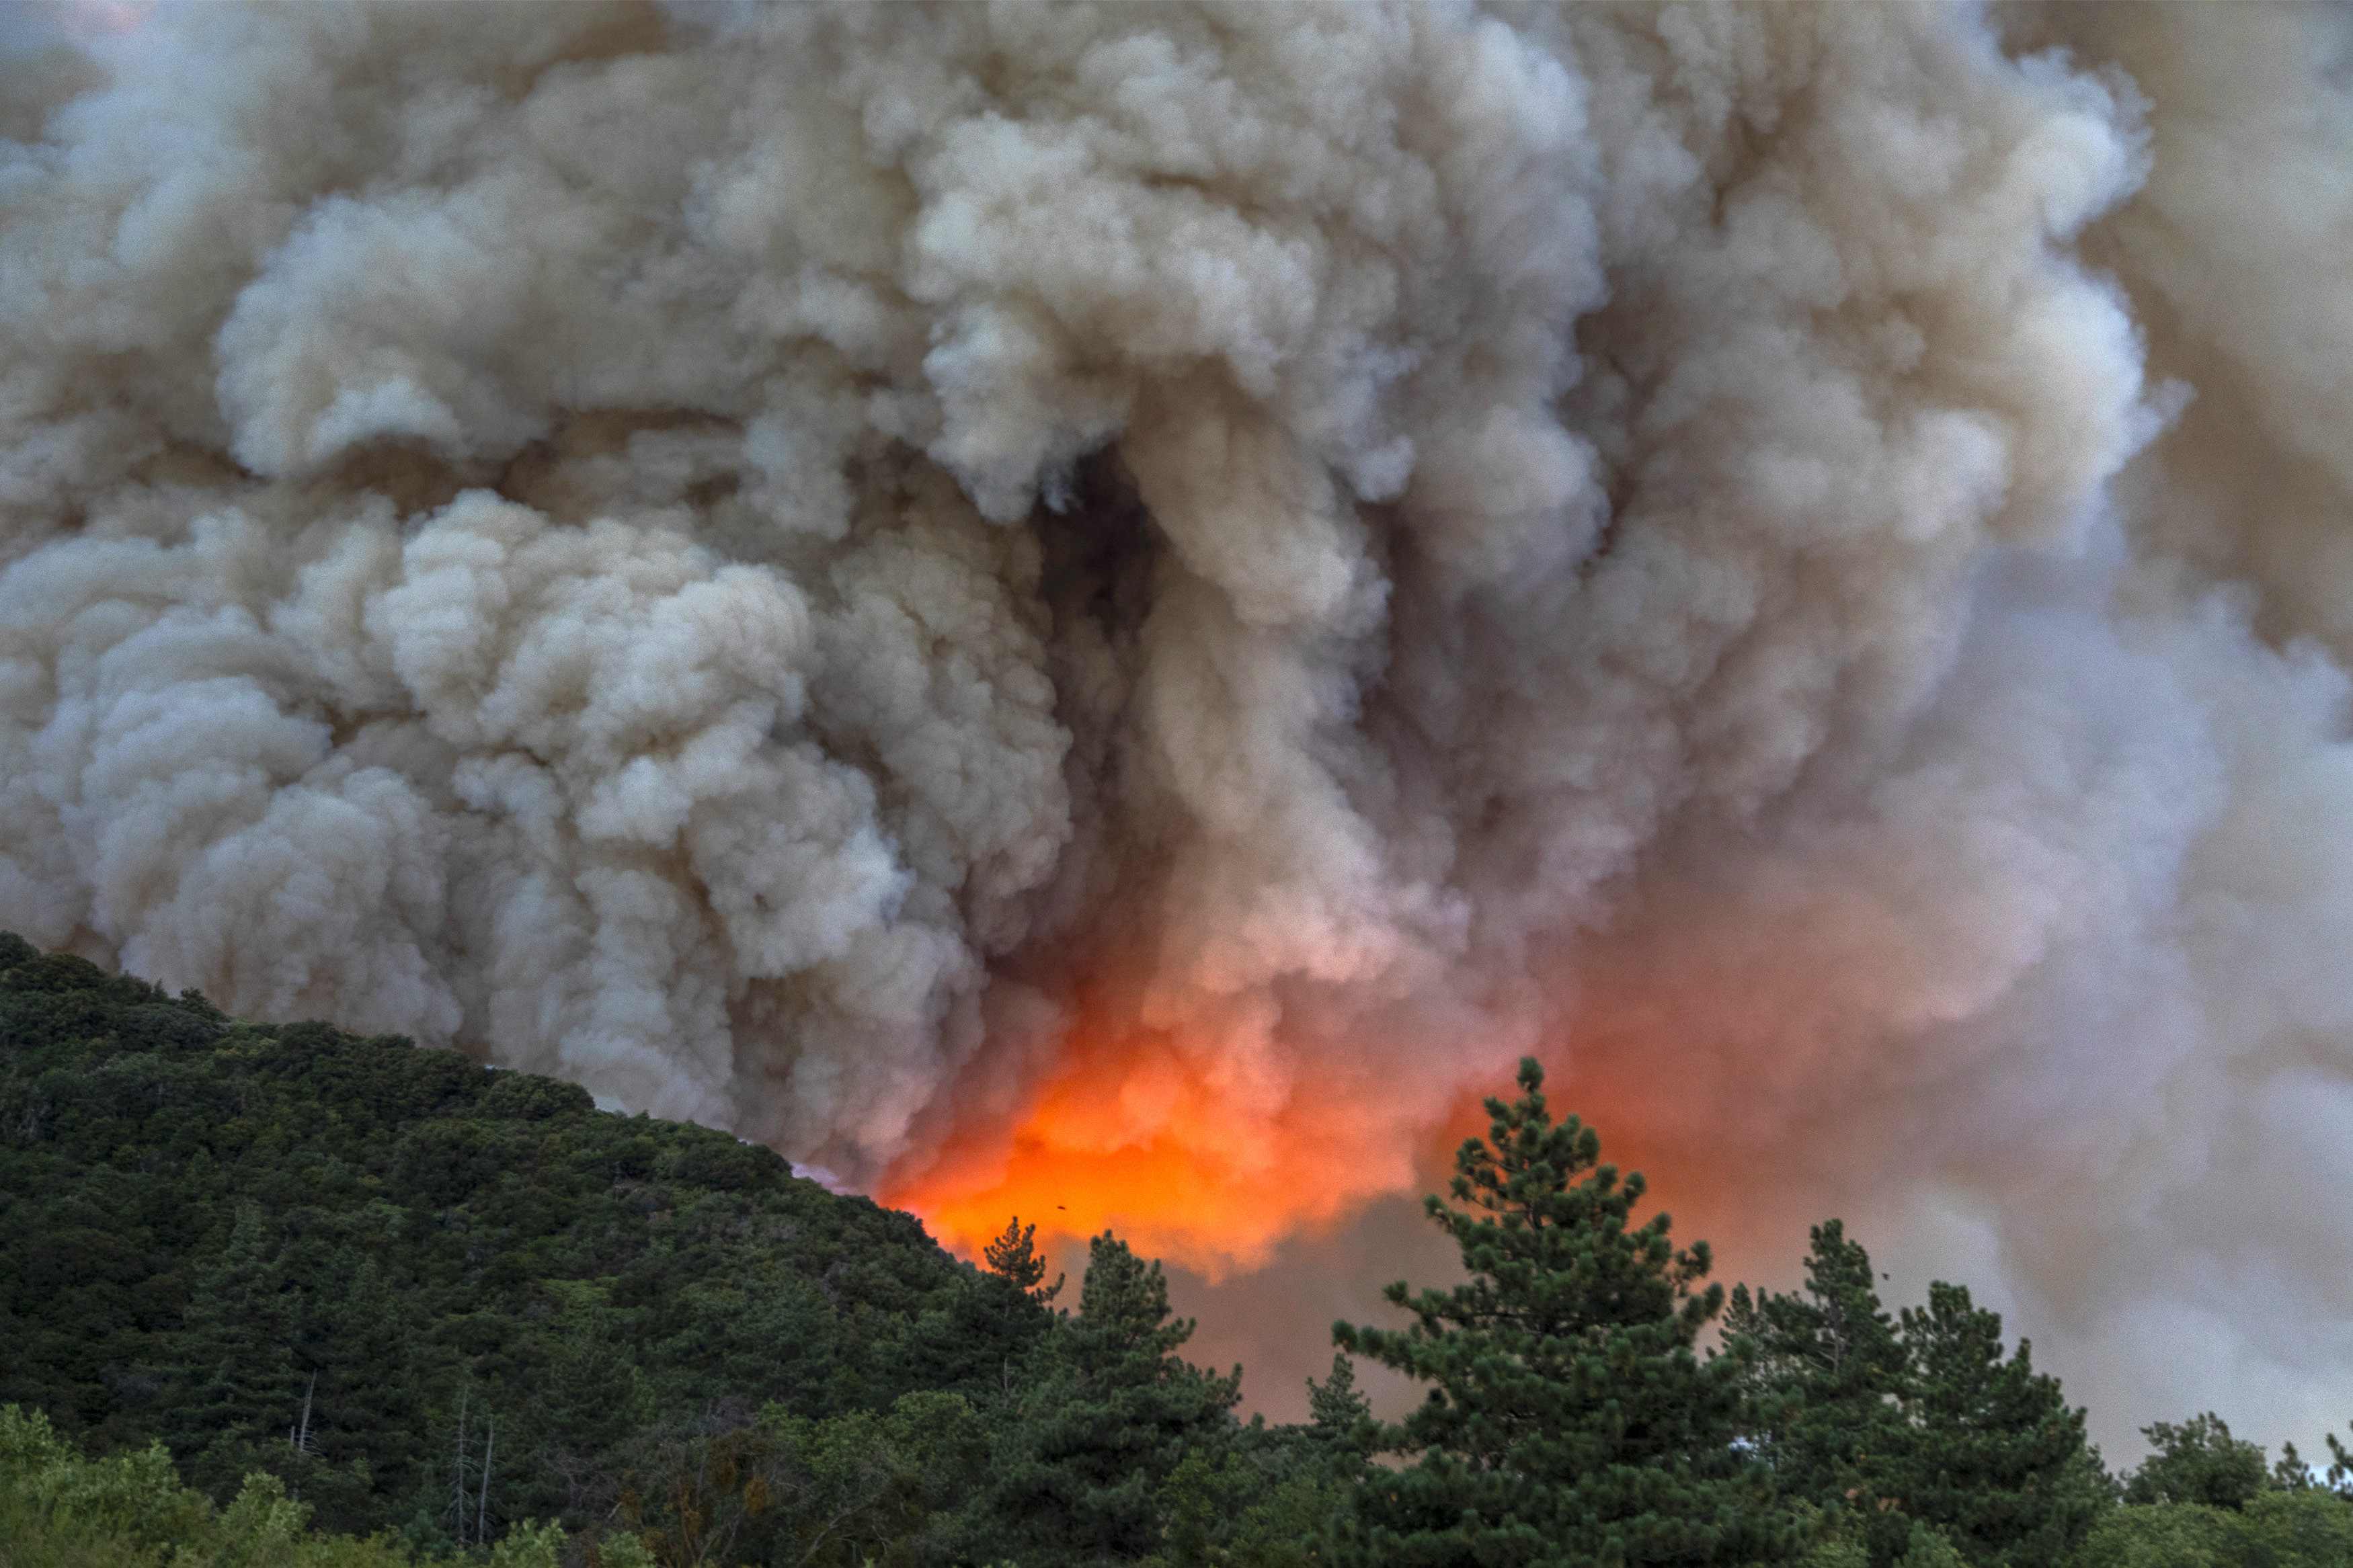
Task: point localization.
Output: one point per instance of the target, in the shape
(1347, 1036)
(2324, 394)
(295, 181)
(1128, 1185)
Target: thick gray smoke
(820, 570)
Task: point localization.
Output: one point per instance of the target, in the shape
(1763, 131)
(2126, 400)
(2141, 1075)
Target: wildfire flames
(1138, 1135)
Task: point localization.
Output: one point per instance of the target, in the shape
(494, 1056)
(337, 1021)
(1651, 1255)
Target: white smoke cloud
(752, 558)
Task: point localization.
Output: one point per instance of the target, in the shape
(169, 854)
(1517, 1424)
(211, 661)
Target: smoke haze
(1107, 611)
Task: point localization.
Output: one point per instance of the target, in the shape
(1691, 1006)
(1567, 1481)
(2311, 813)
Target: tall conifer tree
(1999, 1461)
(236, 1386)
(1105, 1419)
(1013, 1257)
(1831, 1378)
(1340, 1418)
(1570, 1423)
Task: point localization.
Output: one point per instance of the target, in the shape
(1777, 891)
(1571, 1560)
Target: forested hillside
(223, 1234)
(344, 1285)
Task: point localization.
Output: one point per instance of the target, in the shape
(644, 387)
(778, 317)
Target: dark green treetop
(1570, 1421)
(2340, 1465)
(2198, 1461)
(1337, 1409)
(1916, 1436)
(1999, 1460)
(1105, 1416)
(1013, 1257)
(2308, 1527)
(1831, 1377)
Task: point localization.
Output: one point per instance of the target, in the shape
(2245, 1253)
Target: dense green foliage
(1102, 1425)
(1832, 1376)
(293, 1250)
(1570, 1421)
(2275, 1528)
(1918, 1431)
(1999, 1463)
(1920, 1434)
(2199, 1461)
(61, 1510)
(277, 1294)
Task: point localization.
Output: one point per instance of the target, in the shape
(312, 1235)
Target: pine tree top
(1569, 1420)
(1543, 1228)
(1013, 1256)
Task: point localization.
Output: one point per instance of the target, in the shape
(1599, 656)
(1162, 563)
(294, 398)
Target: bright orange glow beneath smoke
(1190, 1154)
(1211, 1153)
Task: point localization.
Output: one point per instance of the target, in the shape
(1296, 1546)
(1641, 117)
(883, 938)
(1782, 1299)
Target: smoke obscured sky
(1109, 610)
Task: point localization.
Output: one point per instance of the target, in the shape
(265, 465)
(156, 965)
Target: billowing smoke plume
(1117, 606)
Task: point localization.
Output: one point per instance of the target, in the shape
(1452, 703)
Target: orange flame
(1212, 1167)
(1211, 1144)
(1184, 1155)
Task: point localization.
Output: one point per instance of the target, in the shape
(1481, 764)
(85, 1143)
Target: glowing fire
(1174, 1151)
(1195, 1164)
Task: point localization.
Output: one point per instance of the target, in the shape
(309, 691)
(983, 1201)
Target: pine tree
(1105, 1416)
(1999, 1461)
(364, 1426)
(1340, 1431)
(1337, 1409)
(2199, 1461)
(1926, 1546)
(1570, 1422)
(1011, 1308)
(1830, 1379)
(236, 1384)
(1013, 1257)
